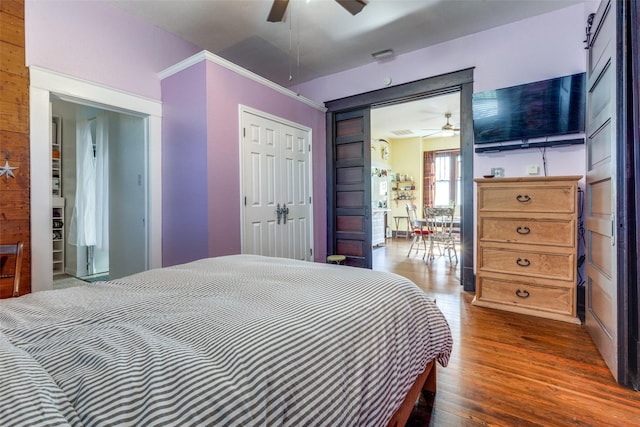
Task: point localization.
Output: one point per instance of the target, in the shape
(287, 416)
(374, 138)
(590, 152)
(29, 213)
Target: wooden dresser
(527, 245)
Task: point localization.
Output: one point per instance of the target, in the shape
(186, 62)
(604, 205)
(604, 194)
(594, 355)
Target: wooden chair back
(16, 250)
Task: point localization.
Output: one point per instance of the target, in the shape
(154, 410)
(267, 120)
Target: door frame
(627, 16)
(43, 83)
(245, 109)
(458, 81)
(632, 121)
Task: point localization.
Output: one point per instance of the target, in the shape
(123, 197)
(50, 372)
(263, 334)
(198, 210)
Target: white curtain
(90, 217)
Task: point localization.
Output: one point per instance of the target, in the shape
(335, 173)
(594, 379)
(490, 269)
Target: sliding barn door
(601, 314)
(276, 188)
(349, 187)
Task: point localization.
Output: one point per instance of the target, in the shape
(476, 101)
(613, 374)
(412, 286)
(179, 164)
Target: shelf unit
(57, 237)
(56, 156)
(403, 190)
(57, 203)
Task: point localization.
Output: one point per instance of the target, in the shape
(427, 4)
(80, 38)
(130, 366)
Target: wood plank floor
(510, 369)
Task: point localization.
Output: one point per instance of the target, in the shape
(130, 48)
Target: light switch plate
(533, 170)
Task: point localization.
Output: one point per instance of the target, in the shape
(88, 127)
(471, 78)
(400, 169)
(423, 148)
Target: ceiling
(421, 118)
(319, 37)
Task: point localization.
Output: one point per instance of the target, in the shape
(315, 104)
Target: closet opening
(98, 193)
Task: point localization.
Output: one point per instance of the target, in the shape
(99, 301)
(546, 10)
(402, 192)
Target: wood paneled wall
(14, 138)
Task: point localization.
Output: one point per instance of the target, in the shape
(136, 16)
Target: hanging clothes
(102, 182)
(82, 230)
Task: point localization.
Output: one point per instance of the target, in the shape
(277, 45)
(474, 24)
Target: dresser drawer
(527, 263)
(529, 231)
(525, 295)
(558, 198)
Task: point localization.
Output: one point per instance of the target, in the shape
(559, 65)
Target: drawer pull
(523, 262)
(523, 230)
(522, 294)
(523, 199)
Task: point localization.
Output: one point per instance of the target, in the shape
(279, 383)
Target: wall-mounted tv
(533, 110)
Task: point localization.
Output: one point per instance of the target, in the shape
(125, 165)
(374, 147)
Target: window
(444, 180)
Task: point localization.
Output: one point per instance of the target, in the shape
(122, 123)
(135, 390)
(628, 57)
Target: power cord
(544, 159)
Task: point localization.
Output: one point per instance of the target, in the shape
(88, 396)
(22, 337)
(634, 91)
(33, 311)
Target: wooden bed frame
(426, 381)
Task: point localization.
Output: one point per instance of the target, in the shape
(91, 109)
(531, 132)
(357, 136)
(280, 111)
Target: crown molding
(208, 56)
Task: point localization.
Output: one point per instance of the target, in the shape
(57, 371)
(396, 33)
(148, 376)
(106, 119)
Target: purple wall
(184, 167)
(98, 42)
(537, 48)
(225, 91)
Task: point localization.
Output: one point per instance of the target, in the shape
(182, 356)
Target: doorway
(44, 84)
(416, 146)
(349, 165)
(101, 185)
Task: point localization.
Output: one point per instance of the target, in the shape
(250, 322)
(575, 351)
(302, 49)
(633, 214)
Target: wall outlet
(497, 172)
(533, 170)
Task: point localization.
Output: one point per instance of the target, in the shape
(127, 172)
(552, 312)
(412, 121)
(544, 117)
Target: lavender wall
(225, 91)
(184, 165)
(98, 42)
(537, 48)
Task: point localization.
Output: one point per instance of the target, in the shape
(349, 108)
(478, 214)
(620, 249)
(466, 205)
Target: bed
(239, 340)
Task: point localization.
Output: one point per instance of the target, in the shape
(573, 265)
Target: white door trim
(245, 109)
(43, 83)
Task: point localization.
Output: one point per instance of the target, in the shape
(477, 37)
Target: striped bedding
(240, 340)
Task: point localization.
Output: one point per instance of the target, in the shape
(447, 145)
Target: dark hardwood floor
(509, 369)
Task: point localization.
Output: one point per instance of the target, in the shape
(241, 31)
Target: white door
(601, 285)
(276, 188)
(127, 196)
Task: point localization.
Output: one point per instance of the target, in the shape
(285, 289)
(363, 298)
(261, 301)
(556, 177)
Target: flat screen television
(533, 110)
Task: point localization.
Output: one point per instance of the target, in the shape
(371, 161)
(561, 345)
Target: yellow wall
(406, 159)
(448, 143)
(377, 161)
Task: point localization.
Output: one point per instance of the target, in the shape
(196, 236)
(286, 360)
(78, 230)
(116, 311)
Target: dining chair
(439, 225)
(15, 249)
(418, 230)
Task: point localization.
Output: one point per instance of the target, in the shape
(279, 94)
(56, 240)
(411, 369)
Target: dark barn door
(349, 204)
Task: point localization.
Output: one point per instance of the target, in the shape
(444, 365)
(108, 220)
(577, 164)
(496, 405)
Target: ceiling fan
(446, 130)
(279, 7)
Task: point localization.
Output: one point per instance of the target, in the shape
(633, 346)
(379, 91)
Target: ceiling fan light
(448, 129)
(353, 6)
(278, 9)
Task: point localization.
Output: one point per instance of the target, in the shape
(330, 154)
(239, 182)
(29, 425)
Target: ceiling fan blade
(278, 9)
(353, 6)
(427, 135)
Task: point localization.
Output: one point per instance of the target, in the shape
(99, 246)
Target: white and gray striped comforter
(232, 341)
